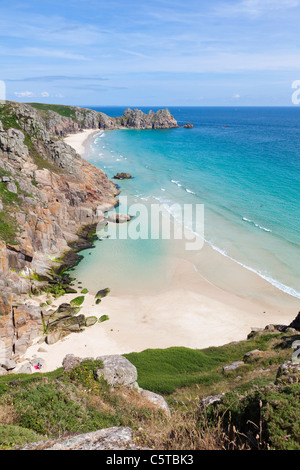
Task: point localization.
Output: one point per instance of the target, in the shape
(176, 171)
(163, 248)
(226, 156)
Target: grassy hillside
(65, 111)
(57, 404)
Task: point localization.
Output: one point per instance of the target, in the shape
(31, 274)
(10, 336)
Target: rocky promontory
(61, 120)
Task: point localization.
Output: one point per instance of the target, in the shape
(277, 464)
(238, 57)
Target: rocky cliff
(47, 194)
(63, 119)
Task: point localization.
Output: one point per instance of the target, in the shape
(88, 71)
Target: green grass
(11, 436)
(40, 160)
(275, 408)
(65, 111)
(8, 198)
(63, 403)
(8, 117)
(182, 367)
(8, 228)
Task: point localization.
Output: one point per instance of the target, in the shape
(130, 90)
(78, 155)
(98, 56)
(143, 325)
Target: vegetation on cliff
(249, 407)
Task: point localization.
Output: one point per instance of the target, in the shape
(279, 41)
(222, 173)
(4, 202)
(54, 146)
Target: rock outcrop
(117, 371)
(62, 120)
(48, 193)
(136, 119)
(105, 439)
(122, 176)
(188, 125)
(118, 218)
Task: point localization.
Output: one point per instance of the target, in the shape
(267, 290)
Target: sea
(242, 164)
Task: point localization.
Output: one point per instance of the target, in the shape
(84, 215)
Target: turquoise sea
(243, 164)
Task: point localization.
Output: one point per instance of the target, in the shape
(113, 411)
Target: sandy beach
(189, 312)
(77, 141)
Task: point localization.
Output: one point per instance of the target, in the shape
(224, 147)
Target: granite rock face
(105, 439)
(47, 194)
(136, 119)
(117, 370)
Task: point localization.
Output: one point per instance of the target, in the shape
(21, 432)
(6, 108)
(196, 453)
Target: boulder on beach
(90, 321)
(102, 293)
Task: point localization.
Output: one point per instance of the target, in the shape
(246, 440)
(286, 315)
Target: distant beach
(187, 310)
(78, 140)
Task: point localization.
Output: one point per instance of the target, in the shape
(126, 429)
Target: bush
(11, 436)
(48, 410)
(269, 417)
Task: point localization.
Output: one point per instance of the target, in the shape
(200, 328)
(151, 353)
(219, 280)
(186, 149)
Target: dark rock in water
(118, 218)
(188, 125)
(122, 176)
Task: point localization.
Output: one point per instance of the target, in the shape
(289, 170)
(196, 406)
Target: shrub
(11, 436)
(268, 417)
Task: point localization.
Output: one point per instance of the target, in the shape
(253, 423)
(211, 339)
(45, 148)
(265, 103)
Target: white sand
(190, 312)
(78, 141)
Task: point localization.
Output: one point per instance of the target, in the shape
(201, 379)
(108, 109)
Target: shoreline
(78, 141)
(190, 311)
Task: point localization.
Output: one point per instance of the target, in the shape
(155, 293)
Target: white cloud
(42, 52)
(31, 94)
(256, 7)
(24, 94)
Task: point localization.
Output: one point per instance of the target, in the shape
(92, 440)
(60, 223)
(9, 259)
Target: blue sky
(151, 53)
